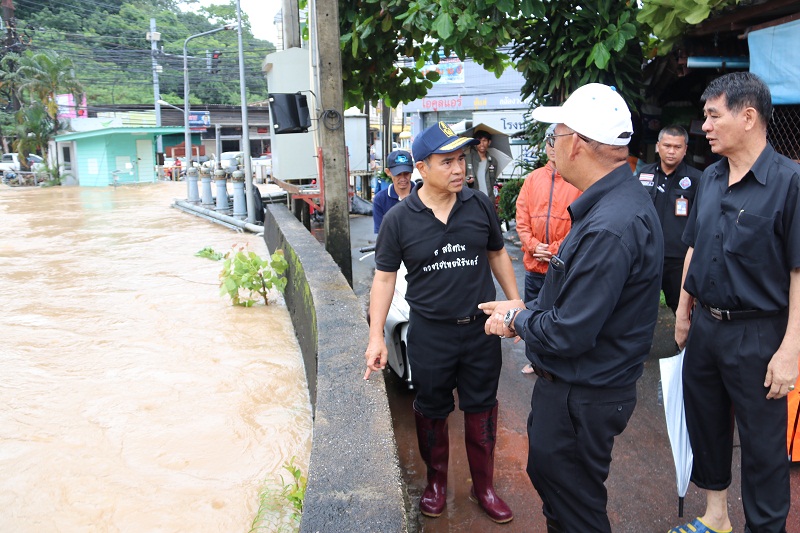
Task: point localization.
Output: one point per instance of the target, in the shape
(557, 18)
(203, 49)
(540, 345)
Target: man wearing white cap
(589, 332)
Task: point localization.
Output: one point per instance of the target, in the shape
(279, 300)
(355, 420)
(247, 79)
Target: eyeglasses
(551, 139)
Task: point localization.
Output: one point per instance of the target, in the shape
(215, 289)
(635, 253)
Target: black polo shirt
(448, 267)
(666, 192)
(593, 321)
(746, 237)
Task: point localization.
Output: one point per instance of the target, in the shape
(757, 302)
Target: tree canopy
(668, 21)
(385, 43)
(557, 45)
(106, 41)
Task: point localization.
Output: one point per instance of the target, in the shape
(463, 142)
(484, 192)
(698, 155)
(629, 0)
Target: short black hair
(674, 131)
(741, 89)
(480, 134)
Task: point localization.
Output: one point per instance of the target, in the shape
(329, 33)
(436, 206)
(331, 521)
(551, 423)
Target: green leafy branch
(669, 20)
(271, 509)
(245, 275)
(209, 253)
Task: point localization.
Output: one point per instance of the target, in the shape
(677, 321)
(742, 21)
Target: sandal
(697, 526)
(527, 369)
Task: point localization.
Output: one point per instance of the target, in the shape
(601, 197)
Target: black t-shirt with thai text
(448, 267)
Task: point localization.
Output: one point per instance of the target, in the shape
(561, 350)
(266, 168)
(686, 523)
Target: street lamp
(191, 185)
(164, 102)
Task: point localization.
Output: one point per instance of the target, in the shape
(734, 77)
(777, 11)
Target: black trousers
(533, 285)
(571, 432)
(723, 378)
(444, 357)
(671, 281)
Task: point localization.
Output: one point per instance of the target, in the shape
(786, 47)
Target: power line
(124, 61)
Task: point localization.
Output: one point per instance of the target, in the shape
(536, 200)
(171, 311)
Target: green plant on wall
(272, 503)
(245, 275)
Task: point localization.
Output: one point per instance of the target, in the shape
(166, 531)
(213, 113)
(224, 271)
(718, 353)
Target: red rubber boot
(480, 432)
(434, 447)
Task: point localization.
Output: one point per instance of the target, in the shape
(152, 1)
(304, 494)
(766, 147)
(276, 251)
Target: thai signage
(451, 70)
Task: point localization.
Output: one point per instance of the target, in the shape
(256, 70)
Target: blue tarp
(775, 57)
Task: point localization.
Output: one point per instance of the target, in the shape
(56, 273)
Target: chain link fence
(784, 130)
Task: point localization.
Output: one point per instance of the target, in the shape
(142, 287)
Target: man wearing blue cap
(399, 168)
(589, 332)
(450, 241)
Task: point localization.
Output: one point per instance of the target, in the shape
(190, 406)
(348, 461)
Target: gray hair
(741, 89)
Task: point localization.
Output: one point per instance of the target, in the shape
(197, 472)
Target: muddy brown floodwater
(135, 398)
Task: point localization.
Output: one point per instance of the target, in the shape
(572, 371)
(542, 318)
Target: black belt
(542, 373)
(737, 314)
(466, 319)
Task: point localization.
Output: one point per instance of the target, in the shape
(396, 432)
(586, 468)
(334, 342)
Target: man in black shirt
(589, 332)
(742, 295)
(671, 184)
(450, 241)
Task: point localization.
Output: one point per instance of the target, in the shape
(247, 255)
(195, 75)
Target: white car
(10, 163)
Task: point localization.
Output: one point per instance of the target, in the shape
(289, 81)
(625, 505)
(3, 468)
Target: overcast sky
(261, 13)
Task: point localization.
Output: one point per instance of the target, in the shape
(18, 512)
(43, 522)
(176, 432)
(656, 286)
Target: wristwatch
(508, 321)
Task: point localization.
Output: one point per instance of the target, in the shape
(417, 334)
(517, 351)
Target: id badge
(681, 207)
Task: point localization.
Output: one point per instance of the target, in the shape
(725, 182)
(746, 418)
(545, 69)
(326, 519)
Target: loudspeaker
(289, 113)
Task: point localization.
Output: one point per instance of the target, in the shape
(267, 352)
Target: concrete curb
(354, 481)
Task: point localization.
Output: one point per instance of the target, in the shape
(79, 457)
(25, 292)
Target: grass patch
(281, 506)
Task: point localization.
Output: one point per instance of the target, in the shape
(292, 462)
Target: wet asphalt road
(641, 485)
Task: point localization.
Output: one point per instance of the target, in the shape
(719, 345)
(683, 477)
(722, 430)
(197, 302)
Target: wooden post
(331, 134)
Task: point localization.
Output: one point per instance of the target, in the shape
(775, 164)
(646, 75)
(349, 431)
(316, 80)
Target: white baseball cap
(595, 111)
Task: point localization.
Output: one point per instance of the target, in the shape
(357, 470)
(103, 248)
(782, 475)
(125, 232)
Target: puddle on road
(134, 397)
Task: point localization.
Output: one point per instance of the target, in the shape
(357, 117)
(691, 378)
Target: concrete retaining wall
(354, 481)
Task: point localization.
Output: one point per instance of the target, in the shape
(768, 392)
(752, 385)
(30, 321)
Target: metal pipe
(717, 62)
(248, 161)
(207, 213)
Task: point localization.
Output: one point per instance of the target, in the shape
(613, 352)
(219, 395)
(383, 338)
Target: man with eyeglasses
(542, 220)
(449, 238)
(672, 183)
(589, 332)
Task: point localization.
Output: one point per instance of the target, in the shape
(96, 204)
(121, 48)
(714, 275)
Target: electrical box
(293, 156)
(289, 113)
(356, 127)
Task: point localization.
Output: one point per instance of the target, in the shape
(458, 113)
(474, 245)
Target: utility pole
(331, 134)
(386, 131)
(291, 24)
(10, 22)
(248, 170)
(12, 44)
(153, 36)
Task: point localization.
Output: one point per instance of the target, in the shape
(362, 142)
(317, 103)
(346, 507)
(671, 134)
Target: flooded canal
(134, 397)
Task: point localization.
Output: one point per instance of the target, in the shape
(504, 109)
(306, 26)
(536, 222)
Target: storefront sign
(435, 104)
(451, 70)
